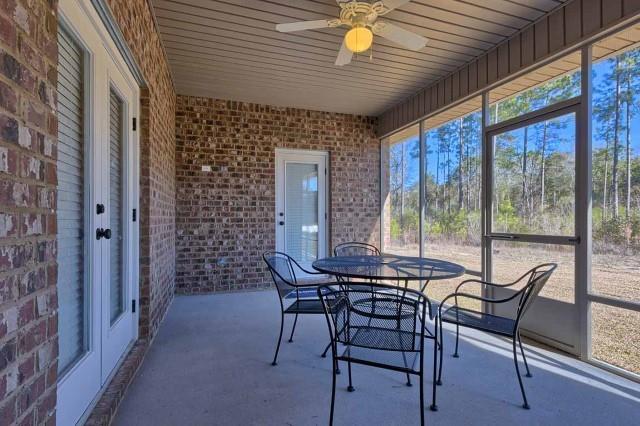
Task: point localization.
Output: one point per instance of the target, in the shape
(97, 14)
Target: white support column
(583, 206)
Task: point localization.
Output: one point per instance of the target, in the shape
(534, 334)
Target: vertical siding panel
(492, 66)
(527, 46)
(590, 16)
(573, 22)
(405, 111)
(416, 107)
(441, 91)
(630, 6)
(396, 117)
(434, 97)
(482, 71)
(448, 84)
(503, 60)
(541, 31)
(473, 76)
(427, 100)
(556, 30)
(611, 11)
(514, 54)
(464, 81)
(455, 85)
(421, 103)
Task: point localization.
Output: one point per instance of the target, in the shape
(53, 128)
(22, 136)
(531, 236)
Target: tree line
(534, 167)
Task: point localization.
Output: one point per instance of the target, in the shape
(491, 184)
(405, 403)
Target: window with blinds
(116, 191)
(72, 282)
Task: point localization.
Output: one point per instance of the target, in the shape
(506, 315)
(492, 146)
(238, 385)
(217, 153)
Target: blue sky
(600, 69)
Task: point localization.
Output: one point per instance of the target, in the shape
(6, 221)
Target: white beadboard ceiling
(230, 49)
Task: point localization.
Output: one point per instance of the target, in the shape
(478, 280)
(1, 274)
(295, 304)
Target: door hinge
(134, 215)
(134, 124)
(133, 306)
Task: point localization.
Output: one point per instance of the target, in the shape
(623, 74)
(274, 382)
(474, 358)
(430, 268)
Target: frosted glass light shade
(358, 39)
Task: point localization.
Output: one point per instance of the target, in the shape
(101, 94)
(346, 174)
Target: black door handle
(281, 223)
(103, 233)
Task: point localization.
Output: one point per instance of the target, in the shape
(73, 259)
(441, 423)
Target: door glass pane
(72, 283)
(616, 175)
(400, 186)
(116, 186)
(509, 260)
(301, 211)
(534, 178)
(453, 187)
(615, 336)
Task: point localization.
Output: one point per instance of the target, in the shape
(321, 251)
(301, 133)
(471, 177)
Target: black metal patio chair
(356, 248)
(382, 329)
(533, 281)
(295, 298)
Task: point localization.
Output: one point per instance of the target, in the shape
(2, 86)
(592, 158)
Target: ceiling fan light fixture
(358, 39)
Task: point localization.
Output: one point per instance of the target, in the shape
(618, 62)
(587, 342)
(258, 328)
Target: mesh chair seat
(305, 306)
(479, 320)
(401, 361)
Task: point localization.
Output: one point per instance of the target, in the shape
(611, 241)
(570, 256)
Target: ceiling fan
(362, 19)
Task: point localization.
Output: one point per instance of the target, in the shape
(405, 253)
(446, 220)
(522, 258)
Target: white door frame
(78, 387)
(321, 158)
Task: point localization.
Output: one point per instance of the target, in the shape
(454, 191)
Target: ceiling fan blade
(302, 25)
(344, 55)
(394, 4)
(399, 35)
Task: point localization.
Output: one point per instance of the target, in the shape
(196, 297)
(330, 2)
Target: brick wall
(157, 163)
(226, 217)
(28, 129)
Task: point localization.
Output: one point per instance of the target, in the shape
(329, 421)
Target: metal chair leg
(515, 360)
(324, 354)
(421, 398)
(455, 353)
(439, 382)
(333, 392)
(295, 321)
(434, 406)
(350, 388)
(275, 357)
(523, 356)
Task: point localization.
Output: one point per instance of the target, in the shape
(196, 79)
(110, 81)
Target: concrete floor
(211, 365)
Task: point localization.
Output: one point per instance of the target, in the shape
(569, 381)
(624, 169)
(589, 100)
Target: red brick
(46, 407)
(8, 408)
(27, 313)
(8, 225)
(8, 97)
(32, 337)
(26, 369)
(8, 129)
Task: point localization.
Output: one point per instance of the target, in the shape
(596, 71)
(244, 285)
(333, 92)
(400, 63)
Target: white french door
(97, 195)
(301, 204)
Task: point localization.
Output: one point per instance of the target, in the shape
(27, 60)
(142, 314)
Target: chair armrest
(305, 270)
(486, 283)
(472, 296)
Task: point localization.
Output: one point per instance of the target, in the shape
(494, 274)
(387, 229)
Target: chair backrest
(281, 268)
(375, 316)
(356, 248)
(536, 279)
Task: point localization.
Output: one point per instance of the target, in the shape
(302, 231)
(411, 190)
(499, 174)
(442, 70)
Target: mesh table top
(389, 266)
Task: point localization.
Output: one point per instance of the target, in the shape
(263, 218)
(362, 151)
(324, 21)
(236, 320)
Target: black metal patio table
(390, 267)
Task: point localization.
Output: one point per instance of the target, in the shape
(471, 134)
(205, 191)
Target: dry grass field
(615, 332)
